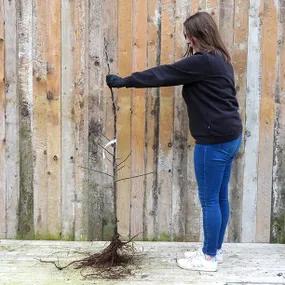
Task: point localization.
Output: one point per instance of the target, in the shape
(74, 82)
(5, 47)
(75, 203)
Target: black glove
(113, 80)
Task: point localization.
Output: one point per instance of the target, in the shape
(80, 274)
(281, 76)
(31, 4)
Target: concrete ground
(244, 263)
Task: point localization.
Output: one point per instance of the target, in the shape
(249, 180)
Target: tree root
(111, 263)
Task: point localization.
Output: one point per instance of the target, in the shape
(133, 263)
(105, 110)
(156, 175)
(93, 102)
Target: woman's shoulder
(219, 65)
(196, 57)
(217, 55)
(203, 57)
(208, 62)
(197, 61)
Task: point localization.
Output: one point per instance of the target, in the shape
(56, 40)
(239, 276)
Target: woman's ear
(187, 39)
(193, 41)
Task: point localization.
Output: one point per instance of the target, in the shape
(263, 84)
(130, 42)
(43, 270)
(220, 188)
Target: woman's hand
(113, 80)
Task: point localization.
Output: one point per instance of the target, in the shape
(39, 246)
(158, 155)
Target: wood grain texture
(3, 221)
(69, 88)
(40, 115)
(12, 119)
(251, 126)
(54, 152)
(165, 152)
(25, 228)
(253, 263)
(213, 7)
(56, 111)
(138, 118)
(239, 61)
(180, 134)
(150, 223)
(226, 22)
(110, 30)
(197, 6)
(266, 121)
(97, 217)
(278, 203)
(226, 28)
(124, 114)
(74, 117)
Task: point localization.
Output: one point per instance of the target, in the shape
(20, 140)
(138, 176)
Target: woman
(207, 76)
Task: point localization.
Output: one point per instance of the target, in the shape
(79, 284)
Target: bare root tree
(110, 262)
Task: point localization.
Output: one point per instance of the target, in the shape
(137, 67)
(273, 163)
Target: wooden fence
(56, 113)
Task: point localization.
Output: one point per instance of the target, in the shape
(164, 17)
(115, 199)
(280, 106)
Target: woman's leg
(224, 203)
(231, 149)
(209, 164)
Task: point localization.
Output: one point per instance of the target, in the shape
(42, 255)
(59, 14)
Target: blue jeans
(212, 163)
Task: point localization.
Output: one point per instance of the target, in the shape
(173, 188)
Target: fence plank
(165, 151)
(150, 223)
(12, 158)
(110, 34)
(180, 121)
(40, 107)
(266, 121)
(226, 28)
(3, 219)
(124, 106)
(24, 34)
(138, 118)
(251, 126)
(96, 181)
(68, 125)
(74, 133)
(81, 133)
(196, 6)
(278, 203)
(194, 226)
(226, 22)
(54, 117)
(239, 60)
(213, 7)
(80, 69)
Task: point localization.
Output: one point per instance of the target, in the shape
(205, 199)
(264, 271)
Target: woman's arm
(184, 71)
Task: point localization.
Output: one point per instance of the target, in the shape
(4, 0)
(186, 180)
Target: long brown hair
(202, 26)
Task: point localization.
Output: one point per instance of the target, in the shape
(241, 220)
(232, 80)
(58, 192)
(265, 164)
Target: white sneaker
(219, 255)
(198, 262)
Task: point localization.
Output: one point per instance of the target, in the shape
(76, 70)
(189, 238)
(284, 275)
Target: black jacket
(208, 90)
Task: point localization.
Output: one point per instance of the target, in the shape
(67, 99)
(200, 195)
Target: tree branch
(125, 159)
(106, 150)
(93, 159)
(134, 176)
(121, 168)
(105, 137)
(98, 171)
